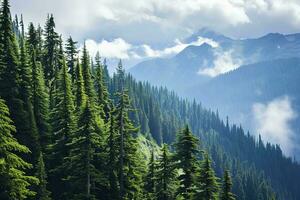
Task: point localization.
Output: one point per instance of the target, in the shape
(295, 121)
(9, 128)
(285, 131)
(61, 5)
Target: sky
(134, 30)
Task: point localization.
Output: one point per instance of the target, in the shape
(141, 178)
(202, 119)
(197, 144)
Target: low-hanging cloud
(273, 121)
(120, 49)
(224, 62)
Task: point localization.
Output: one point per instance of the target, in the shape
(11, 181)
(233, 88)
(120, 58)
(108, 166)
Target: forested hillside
(70, 131)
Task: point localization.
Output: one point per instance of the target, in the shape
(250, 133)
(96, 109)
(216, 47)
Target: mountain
(236, 93)
(185, 68)
(235, 77)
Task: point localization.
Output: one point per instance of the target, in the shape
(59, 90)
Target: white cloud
(119, 48)
(224, 62)
(273, 122)
(178, 47)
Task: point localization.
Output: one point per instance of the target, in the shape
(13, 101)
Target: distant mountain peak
(207, 33)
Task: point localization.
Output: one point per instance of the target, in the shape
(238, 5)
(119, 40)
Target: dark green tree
(40, 99)
(101, 89)
(81, 97)
(15, 182)
(87, 77)
(226, 193)
(83, 173)
(41, 174)
(165, 175)
(71, 54)
(207, 185)
(64, 125)
(186, 148)
(149, 185)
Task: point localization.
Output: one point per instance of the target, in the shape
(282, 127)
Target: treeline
(64, 136)
(70, 131)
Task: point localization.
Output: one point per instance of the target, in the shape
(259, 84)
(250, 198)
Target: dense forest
(69, 130)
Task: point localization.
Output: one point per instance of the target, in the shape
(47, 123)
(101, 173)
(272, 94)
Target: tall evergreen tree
(40, 99)
(129, 163)
(87, 77)
(81, 97)
(165, 174)
(83, 173)
(226, 193)
(207, 185)
(187, 151)
(41, 174)
(101, 89)
(51, 41)
(14, 181)
(71, 53)
(64, 124)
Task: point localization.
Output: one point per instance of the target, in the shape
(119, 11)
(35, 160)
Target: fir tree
(41, 174)
(101, 89)
(207, 185)
(226, 193)
(51, 41)
(87, 77)
(40, 99)
(187, 151)
(71, 53)
(64, 124)
(129, 163)
(84, 151)
(165, 174)
(14, 182)
(149, 185)
(81, 97)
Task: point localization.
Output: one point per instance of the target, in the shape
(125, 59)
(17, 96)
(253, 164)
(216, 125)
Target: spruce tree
(165, 173)
(186, 148)
(112, 161)
(84, 154)
(64, 125)
(149, 185)
(81, 97)
(51, 41)
(207, 185)
(87, 77)
(129, 163)
(71, 53)
(101, 89)
(41, 174)
(40, 99)
(226, 193)
(15, 182)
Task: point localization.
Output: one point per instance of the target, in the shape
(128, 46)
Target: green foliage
(226, 193)
(186, 148)
(207, 185)
(165, 176)
(15, 182)
(71, 53)
(42, 192)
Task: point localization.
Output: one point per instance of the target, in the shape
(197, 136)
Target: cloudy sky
(135, 29)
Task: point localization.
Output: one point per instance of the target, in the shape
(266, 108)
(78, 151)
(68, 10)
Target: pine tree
(112, 161)
(14, 182)
(165, 174)
(71, 53)
(101, 89)
(129, 163)
(186, 148)
(81, 97)
(207, 185)
(40, 99)
(64, 124)
(149, 178)
(15, 83)
(42, 192)
(87, 77)
(226, 193)
(83, 172)
(51, 41)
